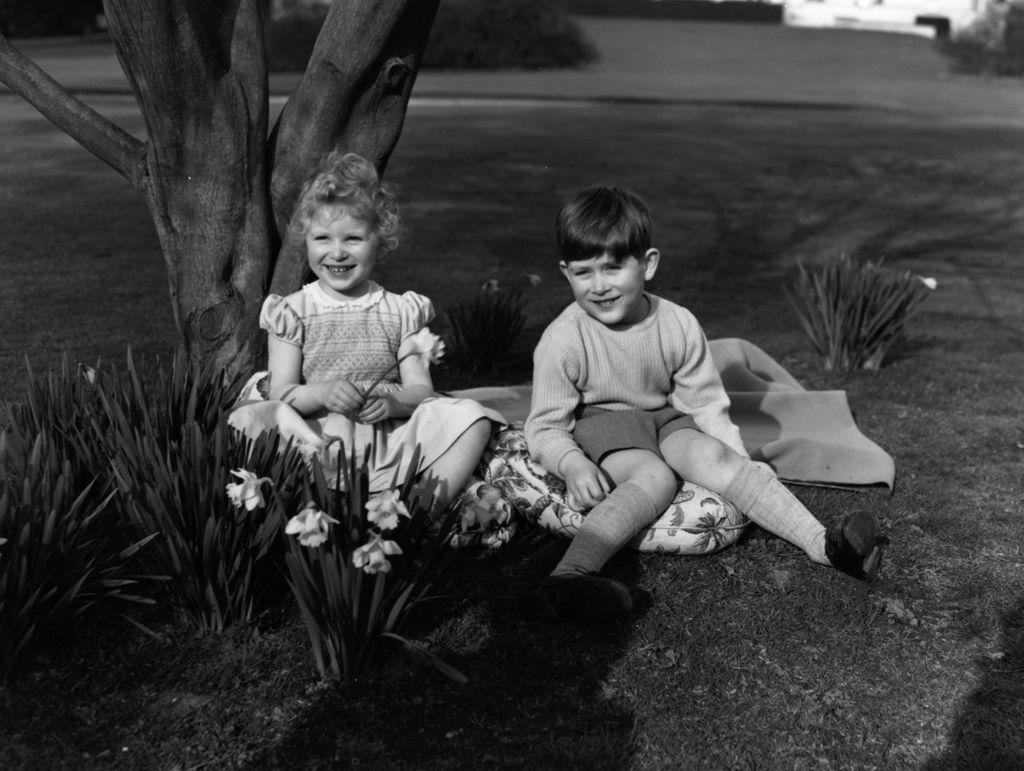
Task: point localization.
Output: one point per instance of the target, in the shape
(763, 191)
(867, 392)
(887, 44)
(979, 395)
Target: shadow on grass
(987, 733)
(535, 696)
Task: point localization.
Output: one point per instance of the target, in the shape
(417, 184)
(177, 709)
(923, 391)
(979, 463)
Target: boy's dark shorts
(599, 432)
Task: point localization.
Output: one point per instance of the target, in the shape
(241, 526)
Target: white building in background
(924, 17)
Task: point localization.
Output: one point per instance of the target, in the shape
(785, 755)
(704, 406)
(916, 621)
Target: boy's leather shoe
(584, 597)
(855, 547)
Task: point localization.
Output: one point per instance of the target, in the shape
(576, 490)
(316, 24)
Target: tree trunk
(220, 193)
(198, 74)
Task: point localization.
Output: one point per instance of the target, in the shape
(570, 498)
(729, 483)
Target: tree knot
(214, 323)
(395, 75)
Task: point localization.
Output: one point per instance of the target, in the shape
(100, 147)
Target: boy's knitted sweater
(663, 360)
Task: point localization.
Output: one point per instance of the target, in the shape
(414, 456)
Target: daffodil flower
(311, 525)
(490, 286)
(248, 492)
(931, 283)
(532, 279)
(385, 509)
(424, 344)
(373, 555)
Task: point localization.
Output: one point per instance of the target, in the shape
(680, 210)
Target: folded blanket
(808, 437)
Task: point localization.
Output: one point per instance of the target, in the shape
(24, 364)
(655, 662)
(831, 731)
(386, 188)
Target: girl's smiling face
(342, 252)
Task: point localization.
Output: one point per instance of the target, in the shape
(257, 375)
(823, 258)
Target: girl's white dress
(358, 340)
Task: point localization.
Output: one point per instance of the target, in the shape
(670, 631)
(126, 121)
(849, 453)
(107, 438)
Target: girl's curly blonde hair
(351, 182)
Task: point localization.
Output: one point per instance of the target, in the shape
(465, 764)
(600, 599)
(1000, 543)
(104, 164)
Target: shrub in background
(992, 45)
(853, 311)
(467, 34)
(43, 18)
(495, 34)
(703, 10)
(485, 328)
(289, 39)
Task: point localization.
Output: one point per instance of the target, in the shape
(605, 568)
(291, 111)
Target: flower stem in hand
(423, 344)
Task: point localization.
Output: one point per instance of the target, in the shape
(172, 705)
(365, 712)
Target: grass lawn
(752, 658)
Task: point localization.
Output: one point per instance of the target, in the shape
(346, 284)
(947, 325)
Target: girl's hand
(342, 397)
(378, 408)
(585, 482)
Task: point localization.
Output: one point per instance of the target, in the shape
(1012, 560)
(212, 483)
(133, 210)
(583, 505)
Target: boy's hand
(585, 482)
(342, 397)
(376, 409)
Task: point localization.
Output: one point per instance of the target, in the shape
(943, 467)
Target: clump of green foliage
(113, 481)
(497, 34)
(222, 560)
(45, 18)
(467, 34)
(61, 553)
(289, 39)
(485, 327)
(992, 45)
(359, 564)
(854, 312)
(171, 456)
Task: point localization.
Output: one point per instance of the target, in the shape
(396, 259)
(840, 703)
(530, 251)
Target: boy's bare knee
(710, 453)
(658, 480)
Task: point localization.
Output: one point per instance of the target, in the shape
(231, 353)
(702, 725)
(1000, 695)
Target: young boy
(626, 400)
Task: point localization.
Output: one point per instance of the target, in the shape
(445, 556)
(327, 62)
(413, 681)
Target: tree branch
(100, 136)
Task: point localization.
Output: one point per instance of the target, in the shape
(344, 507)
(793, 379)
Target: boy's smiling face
(611, 290)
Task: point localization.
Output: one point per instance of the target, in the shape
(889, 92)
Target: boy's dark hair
(603, 219)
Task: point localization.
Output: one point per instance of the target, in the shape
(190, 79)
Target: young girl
(333, 348)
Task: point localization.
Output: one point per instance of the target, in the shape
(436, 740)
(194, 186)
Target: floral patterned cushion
(697, 521)
(485, 517)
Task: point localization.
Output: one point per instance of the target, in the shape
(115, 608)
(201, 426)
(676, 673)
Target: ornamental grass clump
(854, 312)
(161, 402)
(485, 328)
(55, 561)
(172, 456)
(65, 405)
(221, 552)
(358, 564)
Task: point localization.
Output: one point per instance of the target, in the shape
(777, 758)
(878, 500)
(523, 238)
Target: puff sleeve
(281, 320)
(416, 312)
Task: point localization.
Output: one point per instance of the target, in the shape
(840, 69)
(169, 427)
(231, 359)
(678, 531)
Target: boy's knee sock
(759, 494)
(607, 528)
